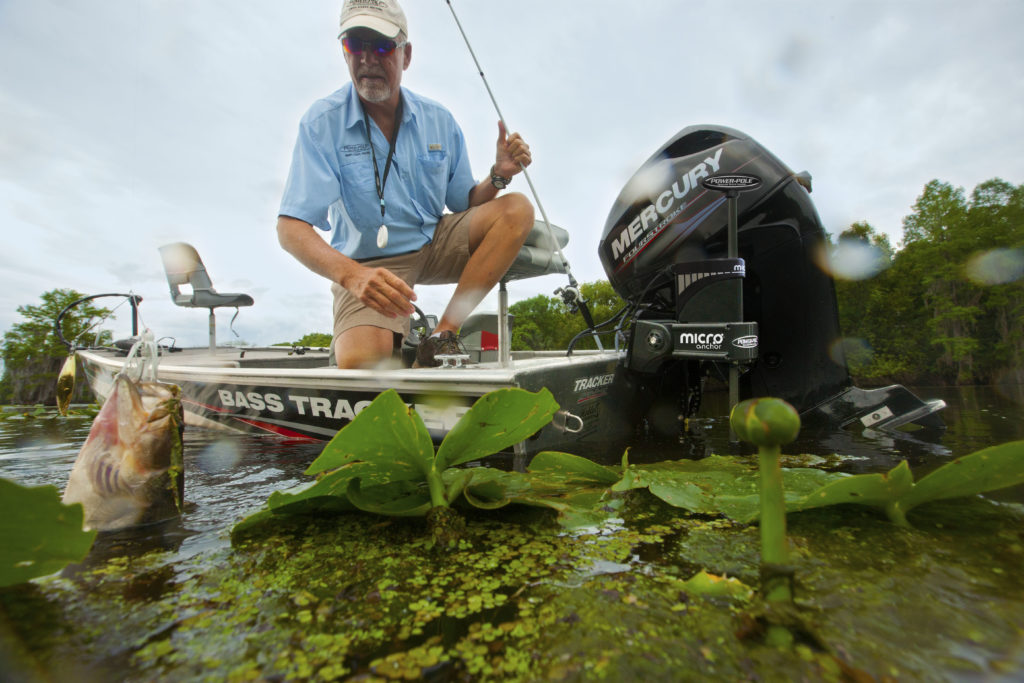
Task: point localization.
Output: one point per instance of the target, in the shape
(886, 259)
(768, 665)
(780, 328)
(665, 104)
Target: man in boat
(376, 164)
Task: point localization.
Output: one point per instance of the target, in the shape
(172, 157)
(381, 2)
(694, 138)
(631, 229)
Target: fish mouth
(167, 404)
(162, 412)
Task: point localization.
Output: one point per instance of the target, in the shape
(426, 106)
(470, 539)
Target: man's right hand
(378, 288)
(381, 290)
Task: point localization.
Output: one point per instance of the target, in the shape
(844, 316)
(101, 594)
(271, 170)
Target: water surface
(230, 475)
(357, 597)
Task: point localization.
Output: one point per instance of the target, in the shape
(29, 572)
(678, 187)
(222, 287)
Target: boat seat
(538, 255)
(184, 268)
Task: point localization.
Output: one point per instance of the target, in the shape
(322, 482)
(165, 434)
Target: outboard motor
(767, 310)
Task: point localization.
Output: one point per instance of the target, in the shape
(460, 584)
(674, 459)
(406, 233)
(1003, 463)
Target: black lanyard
(391, 153)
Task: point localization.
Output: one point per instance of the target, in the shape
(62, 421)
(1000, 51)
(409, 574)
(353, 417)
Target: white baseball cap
(383, 16)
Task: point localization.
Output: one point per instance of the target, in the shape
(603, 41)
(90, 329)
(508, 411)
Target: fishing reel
(571, 297)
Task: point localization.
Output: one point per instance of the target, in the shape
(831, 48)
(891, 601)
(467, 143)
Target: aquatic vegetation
(37, 412)
(520, 599)
(384, 462)
(25, 412)
(768, 423)
(729, 485)
(584, 492)
(896, 493)
(38, 534)
(622, 587)
(713, 586)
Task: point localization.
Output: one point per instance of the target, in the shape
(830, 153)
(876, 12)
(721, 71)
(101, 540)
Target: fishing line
(570, 295)
(142, 360)
(501, 117)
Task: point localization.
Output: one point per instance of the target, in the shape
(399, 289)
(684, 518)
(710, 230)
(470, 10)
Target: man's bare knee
(363, 347)
(518, 212)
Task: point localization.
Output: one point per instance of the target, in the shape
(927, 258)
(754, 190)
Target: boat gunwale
(481, 377)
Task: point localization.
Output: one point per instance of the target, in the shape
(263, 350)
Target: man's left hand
(513, 153)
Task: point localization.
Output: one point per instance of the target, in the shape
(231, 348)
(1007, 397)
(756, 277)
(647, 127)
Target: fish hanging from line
(130, 470)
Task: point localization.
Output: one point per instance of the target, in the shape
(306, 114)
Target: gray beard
(372, 92)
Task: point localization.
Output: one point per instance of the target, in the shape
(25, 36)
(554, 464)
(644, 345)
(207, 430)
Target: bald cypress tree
(33, 354)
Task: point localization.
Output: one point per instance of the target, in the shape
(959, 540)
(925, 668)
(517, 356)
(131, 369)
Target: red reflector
(488, 341)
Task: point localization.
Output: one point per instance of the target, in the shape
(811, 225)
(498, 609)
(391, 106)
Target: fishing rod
(571, 295)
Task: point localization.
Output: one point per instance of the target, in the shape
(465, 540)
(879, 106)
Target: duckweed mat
(355, 597)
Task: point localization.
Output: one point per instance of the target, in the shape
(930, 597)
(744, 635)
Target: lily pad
(989, 469)
(568, 467)
(729, 486)
(577, 505)
(39, 535)
(895, 492)
(716, 485)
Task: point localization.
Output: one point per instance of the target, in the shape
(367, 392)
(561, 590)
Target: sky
(129, 124)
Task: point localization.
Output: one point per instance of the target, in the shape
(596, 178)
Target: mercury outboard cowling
(767, 308)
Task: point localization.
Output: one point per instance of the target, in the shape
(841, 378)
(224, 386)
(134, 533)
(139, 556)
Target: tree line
(948, 305)
(945, 306)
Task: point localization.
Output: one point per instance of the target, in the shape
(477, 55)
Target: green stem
(773, 519)
(773, 540)
(436, 486)
(896, 514)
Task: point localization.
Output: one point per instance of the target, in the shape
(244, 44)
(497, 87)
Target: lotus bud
(765, 421)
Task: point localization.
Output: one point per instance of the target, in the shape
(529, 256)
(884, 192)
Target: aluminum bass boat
(713, 245)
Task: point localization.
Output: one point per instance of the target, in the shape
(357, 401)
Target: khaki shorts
(440, 262)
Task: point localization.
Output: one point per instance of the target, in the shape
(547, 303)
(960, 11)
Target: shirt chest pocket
(359, 191)
(433, 180)
(356, 173)
(434, 164)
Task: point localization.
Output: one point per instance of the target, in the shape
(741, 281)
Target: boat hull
(275, 391)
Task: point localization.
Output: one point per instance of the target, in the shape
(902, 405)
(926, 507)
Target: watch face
(498, 182)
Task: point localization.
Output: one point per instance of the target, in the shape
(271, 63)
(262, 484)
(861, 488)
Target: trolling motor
(709, 304)
(713, 244)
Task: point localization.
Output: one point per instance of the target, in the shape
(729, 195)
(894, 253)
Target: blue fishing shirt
(331, 183)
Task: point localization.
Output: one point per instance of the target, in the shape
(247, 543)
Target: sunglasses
(381, 47)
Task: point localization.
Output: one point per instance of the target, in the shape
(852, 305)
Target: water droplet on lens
(851, 351)
(219, 456)
(996, 266)
(853, 259)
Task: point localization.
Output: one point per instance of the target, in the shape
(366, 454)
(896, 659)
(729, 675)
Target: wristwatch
(498, 181)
